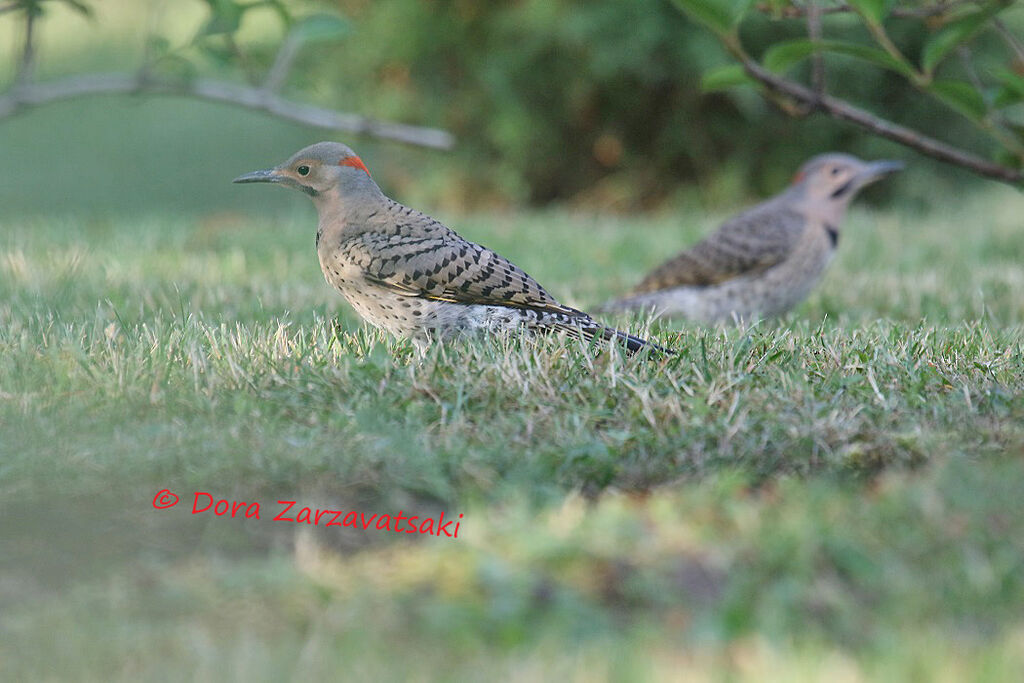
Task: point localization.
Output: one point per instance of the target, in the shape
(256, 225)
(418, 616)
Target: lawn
(837, 493)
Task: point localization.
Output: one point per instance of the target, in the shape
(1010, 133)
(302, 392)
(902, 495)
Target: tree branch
(27, 96)
(843, 110)
(925, 12)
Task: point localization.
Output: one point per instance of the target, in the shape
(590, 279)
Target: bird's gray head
(836, 178)
(317, 170)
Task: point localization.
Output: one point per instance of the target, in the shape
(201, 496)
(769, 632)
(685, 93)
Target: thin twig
(38, 94)
(817, 59)
(843, 110)
(26, 63)
(796, 11)
(1011, 40)
(283, 61)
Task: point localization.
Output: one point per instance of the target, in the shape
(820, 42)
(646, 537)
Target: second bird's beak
(879, 169)
(269, 175)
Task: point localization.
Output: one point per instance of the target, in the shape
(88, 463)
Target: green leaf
(217, 53)
(225, 17)
(282, 11)
(158, 46)
(718, 15)
(79, 7)
(320, 28)
(1012, 90)
(1008, 158)
(874, 11)
(32, 7)
(1007, 97)
(177, 66)
(723, 77)
(786, 54)
(956, 33)
(961, 96)
(781, 56)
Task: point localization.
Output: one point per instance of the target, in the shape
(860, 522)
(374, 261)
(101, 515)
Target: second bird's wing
(745, 245)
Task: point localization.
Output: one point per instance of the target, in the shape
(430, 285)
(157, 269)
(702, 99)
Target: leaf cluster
(939, 60)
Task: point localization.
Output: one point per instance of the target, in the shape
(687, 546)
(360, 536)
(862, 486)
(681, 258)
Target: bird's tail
(632, 343)
(580, 325)
(589, 329)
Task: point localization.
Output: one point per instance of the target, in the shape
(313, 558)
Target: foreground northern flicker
(407, 273)
(765, 260)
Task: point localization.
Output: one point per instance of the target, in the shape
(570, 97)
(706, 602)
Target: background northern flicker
(405, 272)
(765, 260)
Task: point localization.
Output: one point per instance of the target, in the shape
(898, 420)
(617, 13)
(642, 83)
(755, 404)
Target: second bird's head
(319, 170)
(836, 178)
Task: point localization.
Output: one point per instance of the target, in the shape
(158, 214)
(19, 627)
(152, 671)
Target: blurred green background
(593, 103)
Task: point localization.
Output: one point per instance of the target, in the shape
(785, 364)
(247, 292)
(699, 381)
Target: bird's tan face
(314, 170)
(306, 175)
(837, 178)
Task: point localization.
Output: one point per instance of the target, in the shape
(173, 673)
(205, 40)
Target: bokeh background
(592, 104)
(832, 495)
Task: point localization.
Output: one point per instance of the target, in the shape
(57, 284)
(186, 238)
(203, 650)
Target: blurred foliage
(214, 43)
(986, 89)
(600, 100)
(217, 38)
(560, 99)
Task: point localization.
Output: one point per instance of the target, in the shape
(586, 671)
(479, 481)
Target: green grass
(833, 494)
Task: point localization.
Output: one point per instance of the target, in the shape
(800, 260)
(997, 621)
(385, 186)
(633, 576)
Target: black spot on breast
(843, 189)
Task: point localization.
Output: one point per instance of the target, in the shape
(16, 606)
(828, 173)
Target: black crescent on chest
(833, 235)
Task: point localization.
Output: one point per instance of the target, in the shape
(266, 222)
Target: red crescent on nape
(796, 179)
(355, 162)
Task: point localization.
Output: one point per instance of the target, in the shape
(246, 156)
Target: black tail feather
(582, 326)
(632, 343)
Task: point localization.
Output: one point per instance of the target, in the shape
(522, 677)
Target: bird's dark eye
(303, 170)
(835, 171)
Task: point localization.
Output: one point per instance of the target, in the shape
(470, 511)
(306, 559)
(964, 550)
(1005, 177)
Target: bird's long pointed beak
(875, 171)
(269, 175)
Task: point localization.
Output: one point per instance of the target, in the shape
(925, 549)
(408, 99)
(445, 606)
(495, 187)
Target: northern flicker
(405, 272)
(766, 260)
